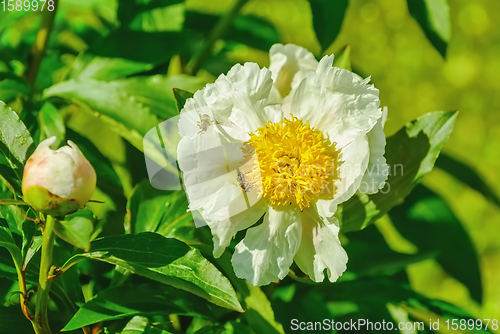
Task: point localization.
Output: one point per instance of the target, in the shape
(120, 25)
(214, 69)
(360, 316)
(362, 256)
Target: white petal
(266, 253)
(210, 176)
(237, 99)
(320, 248)
(353, 161)
(232, 133)
(326, 208)
(201, 157)
(377, 170)
(210, 171)
(217, 199)
(224, 231)
(325, 64)
(335, 102)
(290, 64)
(57, 174)
(188, 122)
(84, 176)
(237, 105)
(45, 144)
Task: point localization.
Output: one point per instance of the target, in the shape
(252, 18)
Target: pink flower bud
(58, 182)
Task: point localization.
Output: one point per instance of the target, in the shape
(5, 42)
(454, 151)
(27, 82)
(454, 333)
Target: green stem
(42, 298)
(41, 40)
(220, 28)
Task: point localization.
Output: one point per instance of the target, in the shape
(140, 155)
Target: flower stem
(220, 28)
(24, 292)
(42, 298)
(41, 40)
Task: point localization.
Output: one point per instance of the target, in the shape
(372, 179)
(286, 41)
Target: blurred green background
(387, 44)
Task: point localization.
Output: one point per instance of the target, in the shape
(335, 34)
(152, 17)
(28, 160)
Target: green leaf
(308, 304)
(134, 102)
(428, 222)
(8, 242)
(29, 231)
(8, 17)
(246, 29)
(67, 286)
(112, 99)
(127, 10)
(51, 63)
(12, 320)
(29, 116)
(11, 256)
(16, 146)
(12, 87)
(229, 327)
(233, 327)
(181, 97)
(156, 92)
(149, 47)
(222, 61)
(433, 16)
(90, 10)
(467, 175)
(164, 212)
(127, 106)
(107, 179)
(410, 154)
(10, 209)
(125, 301)
(167, 261)
(12, 214)
(141, 325)
(87, 66)
(7, 268)
(52, 123)
(258, 310)
(254, 32)
(343, 58)
(35, 246)
(76, 231)
(134, 138)
(328, 16)
(7, 204)
(147, 206)
(167, 18)
(369, 254)
(8, 201)
(377, 292)
(177, 221)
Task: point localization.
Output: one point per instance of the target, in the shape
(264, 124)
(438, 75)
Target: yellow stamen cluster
(294, 163)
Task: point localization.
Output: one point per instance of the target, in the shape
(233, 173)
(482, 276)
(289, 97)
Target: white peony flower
(58, 182)
(287, 145)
